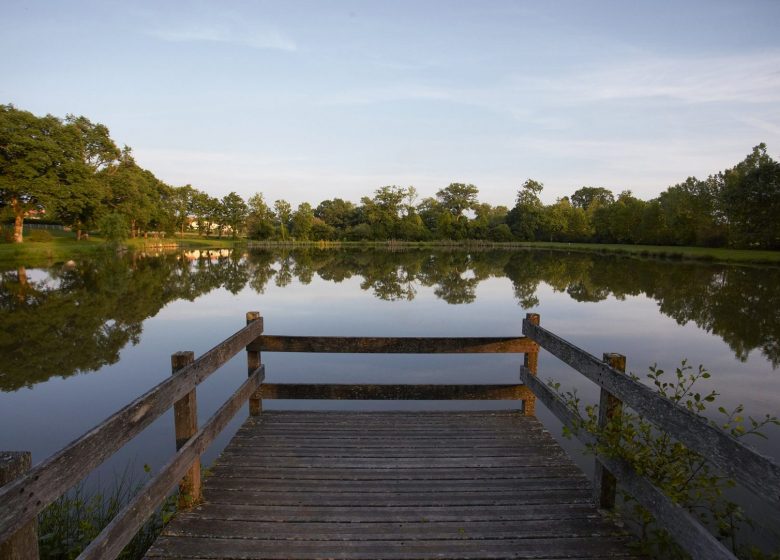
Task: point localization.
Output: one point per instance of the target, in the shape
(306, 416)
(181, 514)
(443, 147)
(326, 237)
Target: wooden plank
(391, 345)
(757, 472)
(400, 486)
(223, 469)
(393, 453)
(582, 547)
(374, 463)
(121, 530)
(394, 499)
(262, 531)
(350, 449)
(23, 499)
(393, 392)
(400, 514)
(684, 528)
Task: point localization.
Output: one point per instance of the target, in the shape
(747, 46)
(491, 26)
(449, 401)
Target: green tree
(235, 212)
(183, 206)
(131, 192)
(302, 221)
(690, 213)
(81, 205)
(585, 197)
(749, 198)
(458, 197)
(40, 162)
(556, 219)
(382, 212)
(201, 208)
(283, 214)
(259, 222)
(526, 218)
(113, 228)
(337, 213)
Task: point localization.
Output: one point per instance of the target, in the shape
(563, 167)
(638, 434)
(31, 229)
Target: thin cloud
(391, 93)
(751, 78)
(256, 38)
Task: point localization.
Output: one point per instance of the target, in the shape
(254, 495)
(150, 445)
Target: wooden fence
(748, 467)
(23, 498)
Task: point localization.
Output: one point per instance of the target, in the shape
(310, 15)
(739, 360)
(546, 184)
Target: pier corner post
(185, 415)
(604, 484)
(23, 545)
(531, 362)
(252, 363)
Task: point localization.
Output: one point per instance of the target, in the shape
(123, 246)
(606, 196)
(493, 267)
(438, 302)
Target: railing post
(23, 545)
(604, 484)
(185, 414)
(531, 362)
(252, 363)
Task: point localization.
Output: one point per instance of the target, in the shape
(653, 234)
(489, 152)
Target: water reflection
(76, 317)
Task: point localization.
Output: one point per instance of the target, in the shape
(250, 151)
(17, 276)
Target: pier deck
(393, 485)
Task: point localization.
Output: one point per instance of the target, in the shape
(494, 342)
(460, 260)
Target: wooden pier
(392, 485)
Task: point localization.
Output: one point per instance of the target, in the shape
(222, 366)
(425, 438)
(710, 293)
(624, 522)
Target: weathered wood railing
(25, 497)
(755, 471)
(405, 345)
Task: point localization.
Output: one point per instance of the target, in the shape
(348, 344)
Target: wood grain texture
(22, 500)
(394, 392)
(391, 345)
(414, 485)
(757, 472)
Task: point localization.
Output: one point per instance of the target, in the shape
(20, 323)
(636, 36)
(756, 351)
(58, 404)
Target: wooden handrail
(24, 498)
(394, 392)
(752, 469)
(684, 527)
(121, 530)
(392, 345)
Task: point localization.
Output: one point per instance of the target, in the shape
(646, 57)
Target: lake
(79, 340)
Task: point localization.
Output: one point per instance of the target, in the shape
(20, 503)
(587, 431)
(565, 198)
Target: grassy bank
(58, 246)
(40, 249)
(742, 256)
(669, 252)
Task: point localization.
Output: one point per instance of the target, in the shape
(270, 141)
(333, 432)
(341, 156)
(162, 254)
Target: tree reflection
(78, 316)
(737, 303)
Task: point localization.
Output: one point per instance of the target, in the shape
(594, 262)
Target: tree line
(73, 171)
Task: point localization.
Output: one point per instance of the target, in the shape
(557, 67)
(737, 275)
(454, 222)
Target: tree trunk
(78, 234)
(18, 220)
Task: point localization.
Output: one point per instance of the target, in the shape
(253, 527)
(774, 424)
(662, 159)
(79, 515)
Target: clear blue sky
(311, 100)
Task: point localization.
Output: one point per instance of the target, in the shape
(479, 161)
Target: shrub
(683, 475)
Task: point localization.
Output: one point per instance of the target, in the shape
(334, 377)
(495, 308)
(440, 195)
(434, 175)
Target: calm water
(81, 339)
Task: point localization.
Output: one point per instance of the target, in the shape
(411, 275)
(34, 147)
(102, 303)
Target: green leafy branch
(685, 476)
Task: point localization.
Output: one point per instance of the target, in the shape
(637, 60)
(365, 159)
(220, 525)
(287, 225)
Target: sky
(313, 100)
